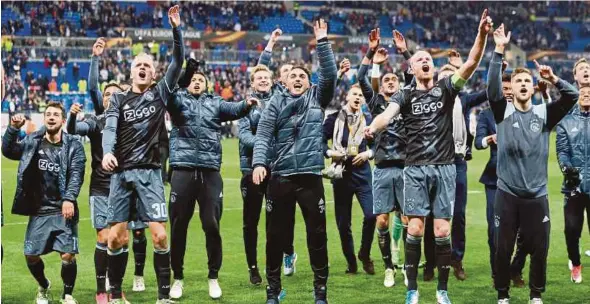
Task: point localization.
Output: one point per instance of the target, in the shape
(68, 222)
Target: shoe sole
(138, 289)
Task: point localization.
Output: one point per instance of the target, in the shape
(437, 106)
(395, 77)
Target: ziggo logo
(132, 115)
(425, 108)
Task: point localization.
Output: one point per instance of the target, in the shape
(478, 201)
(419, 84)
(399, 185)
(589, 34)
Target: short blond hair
(520, 71)
(259, 68)
(580, 61)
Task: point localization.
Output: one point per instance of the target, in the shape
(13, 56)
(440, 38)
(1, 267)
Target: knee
(117, 239)
(102, 236)
(160, 239)
(416, 228)
(32, 259)
(442, 230)
(382, 221)
(210, 225)
(68, 257)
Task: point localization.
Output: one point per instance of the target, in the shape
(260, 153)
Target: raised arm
(563, 147)
(11, 148)
(368, 92)
(266, 55)
(479, 46)
(473, 100)
(245, 135)
(175, 67)
(75, 173)
(327, 69)
(569, 96)
(93, 87)
(73, 126)
(495, 96)
(234, 110)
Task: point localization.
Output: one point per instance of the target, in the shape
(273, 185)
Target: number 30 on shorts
(160, 210)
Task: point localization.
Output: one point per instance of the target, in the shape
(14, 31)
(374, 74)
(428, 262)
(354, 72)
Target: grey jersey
(523, 137)
(523, 148)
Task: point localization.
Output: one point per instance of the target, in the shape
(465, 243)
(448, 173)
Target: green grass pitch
(18, 286)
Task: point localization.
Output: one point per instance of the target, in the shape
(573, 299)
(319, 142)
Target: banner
(160, 34)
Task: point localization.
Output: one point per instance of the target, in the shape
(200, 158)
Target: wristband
(407, 55)
(370, 53)
(323, 39)
(375, 71)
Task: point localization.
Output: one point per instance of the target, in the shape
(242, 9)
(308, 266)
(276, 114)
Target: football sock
(443, 260)
(412, 260)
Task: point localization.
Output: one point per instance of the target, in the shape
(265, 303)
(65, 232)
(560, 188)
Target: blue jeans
(344, 190)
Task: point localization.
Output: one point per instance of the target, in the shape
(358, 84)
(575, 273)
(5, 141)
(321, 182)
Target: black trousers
(189, 186)
(573, 212)
(519, 258)
(252, 196)
(530, 217)
(282, 194)
(164, 154)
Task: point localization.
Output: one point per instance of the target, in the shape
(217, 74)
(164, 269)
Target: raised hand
(374, 38)
(17, 121)
(485, 23)
(174, 16)
(500, 38)
(98, 46)
(274, 37)
(400, 42)
(75, 108)
(381, 56)
(320, 29)
(344, 67)
(546, 72)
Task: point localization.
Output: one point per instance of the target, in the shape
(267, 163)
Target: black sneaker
(271, 296)
(320, 295)
(255, 278)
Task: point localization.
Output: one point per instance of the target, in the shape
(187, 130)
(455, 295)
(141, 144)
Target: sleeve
(326, 73)
(75, 173)
(473, 100)
(80, 127)
(11, 148)
(399, 98)
(93, 87)
(328, 131)
(365, 84)
(167, 84)
(481, 131)
(245, 133)
(264, 135)
(109, 134)
(265, 58)
(494, 90)
(563, 147)
(232, 110)
(370, 143)
(557, 110)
